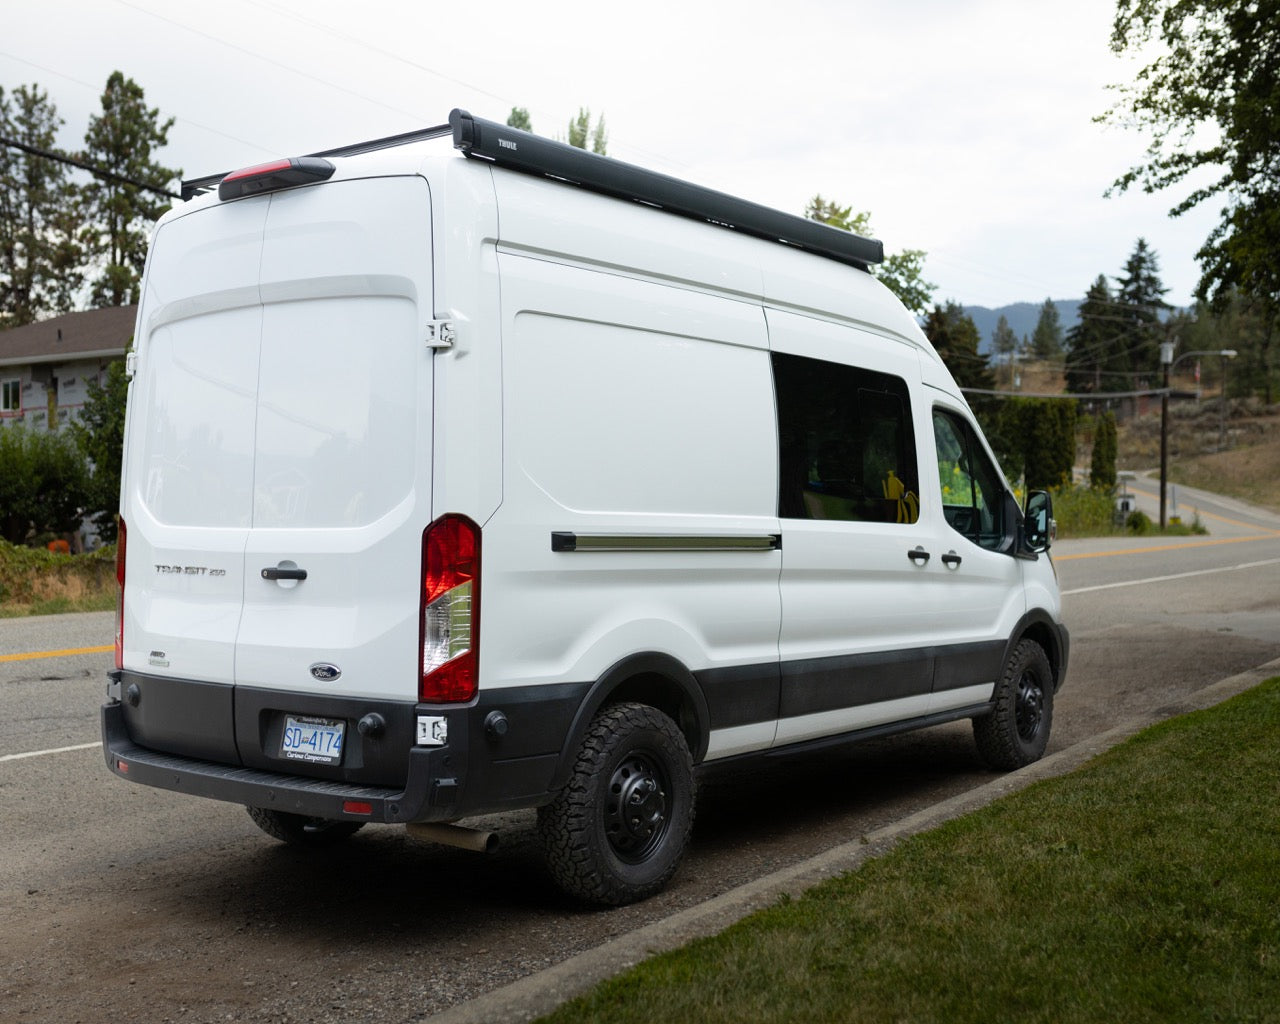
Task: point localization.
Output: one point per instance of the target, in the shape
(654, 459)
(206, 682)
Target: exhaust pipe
(473, 839)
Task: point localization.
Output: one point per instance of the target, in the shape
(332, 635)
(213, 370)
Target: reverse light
(450, 610)
(271, 177)
(120, 542)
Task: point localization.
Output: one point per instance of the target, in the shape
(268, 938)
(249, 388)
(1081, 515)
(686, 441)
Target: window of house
(11, 396)
(846, 448)
(972, 488)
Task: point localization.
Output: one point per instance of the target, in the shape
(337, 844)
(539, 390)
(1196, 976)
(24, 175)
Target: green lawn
(1143, 887)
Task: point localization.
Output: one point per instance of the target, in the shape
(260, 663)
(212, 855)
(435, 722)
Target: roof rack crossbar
(532, 154)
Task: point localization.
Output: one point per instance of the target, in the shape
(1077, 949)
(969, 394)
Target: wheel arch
(655, 679)
(1039, 626)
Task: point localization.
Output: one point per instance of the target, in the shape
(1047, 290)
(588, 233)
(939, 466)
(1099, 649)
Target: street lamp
(1168, 362)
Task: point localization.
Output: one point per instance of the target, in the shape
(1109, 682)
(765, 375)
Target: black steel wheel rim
(635, 813)
(1030, 707)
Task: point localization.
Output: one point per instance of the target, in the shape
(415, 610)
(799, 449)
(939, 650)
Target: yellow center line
(34, 655)
(1167, 547)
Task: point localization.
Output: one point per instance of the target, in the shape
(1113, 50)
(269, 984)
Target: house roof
(103, 333)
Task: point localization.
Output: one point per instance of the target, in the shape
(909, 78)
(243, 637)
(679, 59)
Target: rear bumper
(430, 792)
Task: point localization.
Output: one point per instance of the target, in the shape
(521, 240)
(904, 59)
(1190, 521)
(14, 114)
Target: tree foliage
(1094, 342)
(1046, 339)
(955, 337)
(99, 435)
(121, 139)
(1210, 103)
(901, 272)
(42, 483)
(40, 253)
(1102, 464)
(519, 118)
(581, 132)
(1035, 439)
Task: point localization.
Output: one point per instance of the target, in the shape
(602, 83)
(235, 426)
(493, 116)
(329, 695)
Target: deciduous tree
(902, 272)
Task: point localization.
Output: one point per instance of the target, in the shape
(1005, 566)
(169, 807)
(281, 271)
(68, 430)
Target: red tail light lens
(300, 170)
(450, 610)
(120, 543)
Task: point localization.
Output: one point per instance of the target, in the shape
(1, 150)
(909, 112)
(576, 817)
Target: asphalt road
(124, 903)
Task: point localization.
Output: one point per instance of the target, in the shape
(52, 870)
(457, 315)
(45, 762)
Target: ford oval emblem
(325, 672)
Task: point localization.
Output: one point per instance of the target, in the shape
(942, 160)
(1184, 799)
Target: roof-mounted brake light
(300, 170)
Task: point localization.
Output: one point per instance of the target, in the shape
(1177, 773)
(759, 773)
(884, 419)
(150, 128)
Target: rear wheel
(1016, 732)
(299, 830)
(617, 832)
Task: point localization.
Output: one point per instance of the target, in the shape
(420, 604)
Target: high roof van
(466, 471)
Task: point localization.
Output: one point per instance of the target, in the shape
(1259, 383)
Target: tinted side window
(972, 489)
(846, 447)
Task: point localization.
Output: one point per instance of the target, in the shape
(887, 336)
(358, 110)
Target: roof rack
(193, 187)
(532, 154)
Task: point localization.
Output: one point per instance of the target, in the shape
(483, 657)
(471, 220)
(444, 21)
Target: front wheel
(617, 832)
(1016, 731)
(299, 830)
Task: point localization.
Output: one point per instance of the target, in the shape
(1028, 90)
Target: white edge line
(1175, 576)
(54, 750)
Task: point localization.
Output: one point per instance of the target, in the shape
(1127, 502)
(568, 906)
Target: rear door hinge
(441, 334)
(130, 365)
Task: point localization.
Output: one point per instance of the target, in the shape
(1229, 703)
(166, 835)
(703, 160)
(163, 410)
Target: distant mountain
(1022, 317)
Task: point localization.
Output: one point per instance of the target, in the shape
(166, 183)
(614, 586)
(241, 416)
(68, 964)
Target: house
(45, 367)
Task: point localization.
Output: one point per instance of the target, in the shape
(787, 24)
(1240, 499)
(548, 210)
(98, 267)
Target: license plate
(314, 740)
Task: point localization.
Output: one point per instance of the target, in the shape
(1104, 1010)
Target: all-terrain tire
(617, 832)
(1016, 731)
(299, 830)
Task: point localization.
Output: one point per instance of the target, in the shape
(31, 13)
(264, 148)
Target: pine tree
(1140, 300)
(121, 140)
(580, 132)
(1005, 343)
(40, 254)
(1046, 340)
(1093, 343)
(519, 118)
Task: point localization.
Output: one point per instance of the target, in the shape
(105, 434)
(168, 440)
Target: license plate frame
(313, 740)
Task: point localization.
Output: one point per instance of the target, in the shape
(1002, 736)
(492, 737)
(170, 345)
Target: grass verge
(1144, 887)
(38, 582)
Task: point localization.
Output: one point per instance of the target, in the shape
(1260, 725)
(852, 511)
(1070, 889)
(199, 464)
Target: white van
(462, 478)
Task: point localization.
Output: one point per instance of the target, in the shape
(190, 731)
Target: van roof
(522, 151)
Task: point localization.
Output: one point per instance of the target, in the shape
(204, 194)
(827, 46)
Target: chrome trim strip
(564, 541)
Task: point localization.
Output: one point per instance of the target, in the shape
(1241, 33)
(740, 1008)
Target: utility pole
(1166, 360)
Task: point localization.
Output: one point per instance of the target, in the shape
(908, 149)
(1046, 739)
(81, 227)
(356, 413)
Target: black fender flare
(1040, 626)
(649, 678)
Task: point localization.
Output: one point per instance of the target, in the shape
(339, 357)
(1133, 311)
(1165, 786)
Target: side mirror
(1038, 527)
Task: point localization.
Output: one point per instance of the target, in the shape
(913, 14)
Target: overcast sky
(964, 126)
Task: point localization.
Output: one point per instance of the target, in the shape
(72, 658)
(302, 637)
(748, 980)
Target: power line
(98, 172)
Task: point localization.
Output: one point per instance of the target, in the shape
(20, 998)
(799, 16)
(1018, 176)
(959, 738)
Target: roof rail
(193, 187)
(532, 154)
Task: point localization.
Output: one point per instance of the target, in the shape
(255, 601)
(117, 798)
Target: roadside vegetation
(34, 581)
(1143, 887)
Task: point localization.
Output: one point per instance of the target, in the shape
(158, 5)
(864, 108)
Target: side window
(846, 447)
(11, 396)
(972, 489)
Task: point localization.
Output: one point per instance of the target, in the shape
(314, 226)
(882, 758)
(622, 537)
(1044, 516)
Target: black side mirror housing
(1038, 527)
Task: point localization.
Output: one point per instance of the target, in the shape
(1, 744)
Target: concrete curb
(540, 993)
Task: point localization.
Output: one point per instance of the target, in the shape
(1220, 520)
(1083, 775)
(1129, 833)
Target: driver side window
(972, 488)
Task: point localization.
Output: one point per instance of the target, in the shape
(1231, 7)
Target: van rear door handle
(951, 559)
(274, 572)
(918, 555)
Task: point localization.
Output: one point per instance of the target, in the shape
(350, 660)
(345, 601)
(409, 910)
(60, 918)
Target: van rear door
(282, 429)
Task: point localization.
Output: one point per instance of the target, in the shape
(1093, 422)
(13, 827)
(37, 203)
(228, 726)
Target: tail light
(450, 610)
(120, 543)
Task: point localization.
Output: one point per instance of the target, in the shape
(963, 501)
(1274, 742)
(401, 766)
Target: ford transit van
(468, 471)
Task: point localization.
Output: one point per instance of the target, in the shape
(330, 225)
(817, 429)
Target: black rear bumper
(430, 792)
